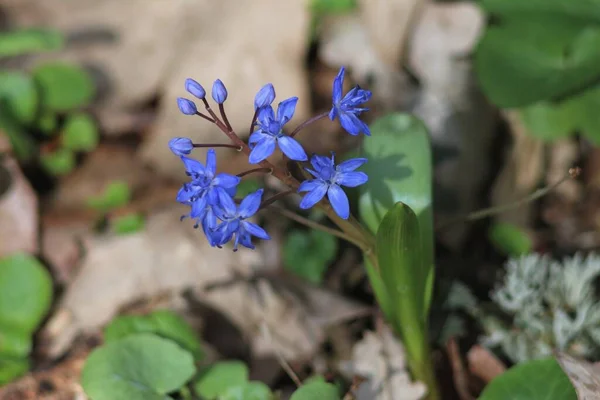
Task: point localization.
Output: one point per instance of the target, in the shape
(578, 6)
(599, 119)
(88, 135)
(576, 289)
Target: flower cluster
(211, 196)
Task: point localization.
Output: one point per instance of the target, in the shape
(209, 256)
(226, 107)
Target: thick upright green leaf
(510, 239)
(316, 390)
(533, 57)
(218, 378)
(26, 41)
(25, 292)
(163, 323)
(64, 86)
(400, 170)
(533, 380)
(308, 253)
(80, 133)
(21, 142)
(21, 95)
(137, 367)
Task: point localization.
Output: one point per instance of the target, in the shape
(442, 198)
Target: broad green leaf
(582, 9)
(64, 86)
(58, 163)
(127, 224)
(247, 186)
(316, 390)
(510, 239)
(216, 379)
(21, 142)
(549, 121)
(47, 123)
(163, 323)
(248, 391)
(25, 292)
(21, 95)
(12, 368)
(138, 367)
(80, 133)
(400, 170)
(308, 253)
(27, 41)
(533, 380)
(528, 58)
(116, 194)
(15, 342)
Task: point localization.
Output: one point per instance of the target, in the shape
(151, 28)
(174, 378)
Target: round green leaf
(15, 342)
(308, 253)
(127, 224)
(116, 194)
(10, 369)
(26, 41)
(20, 93)
(22, 143)
(316, 390)
(248, 391)
(80, 133)
(215, 380)
(64, 86)
(47, 123)
(533, 380)
(25, 292)
(163, 323)
(59, 162)
(549, 121)
(529, 58)
(138, 367)
(510, 239)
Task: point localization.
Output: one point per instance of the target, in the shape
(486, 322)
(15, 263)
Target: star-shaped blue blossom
(235, 222)
(347, 108)
(270, 133)
(328, 180)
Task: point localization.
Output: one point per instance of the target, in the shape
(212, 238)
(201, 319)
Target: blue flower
(219, 92)
(186, 106)
(328, 181)
(234, 221)
(181, 146)
(205, 183)
(270, 133)
(347, 109)
(264, 97)
(194, 88)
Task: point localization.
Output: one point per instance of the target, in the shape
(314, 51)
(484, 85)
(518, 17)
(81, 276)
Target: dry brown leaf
(18, 212)
(483, 364)
(459, 373)
(584, 376)
(379, 357)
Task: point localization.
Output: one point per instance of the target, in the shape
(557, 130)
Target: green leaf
(10, 369)
(127, 224)
(58, 163)
(47, 123)
(21, 95)
(116, 194)
(163, 323)
(533, 380)
(400, 170)
(527, 58)
(325, 7)
(25, 292)
(308, 253)
(15, 342)
(137, 367)
(548, 121)
(64, 86)
(216, 379)
(316, 390)
(510, 239)
(21, 142)
(27, 41)
(582, 9)
(80, 133)
(248, 391)
(247, 186)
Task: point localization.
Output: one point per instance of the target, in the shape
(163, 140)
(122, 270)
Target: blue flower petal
(265, 115)
(193, 166)
(194, 88)
(291, 148)
(338, 84)
(198, 208)
(219, 92)
(314, 196)
(249, 206)
(333, 113)
(265, 96)
(352, 179)
(181, 146)
(184, 195)
(262, 150)
(211, 163)
(244, 239)
(285, 110)
(309, 185)
(226, 181)
(351, 165)
(319, 162)
(186, 106)
(339, 201)
(255, 230)
(350, 123)
(226, 203)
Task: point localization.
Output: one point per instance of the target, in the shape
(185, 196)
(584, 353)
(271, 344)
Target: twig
(282, 361)
(487, 212)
